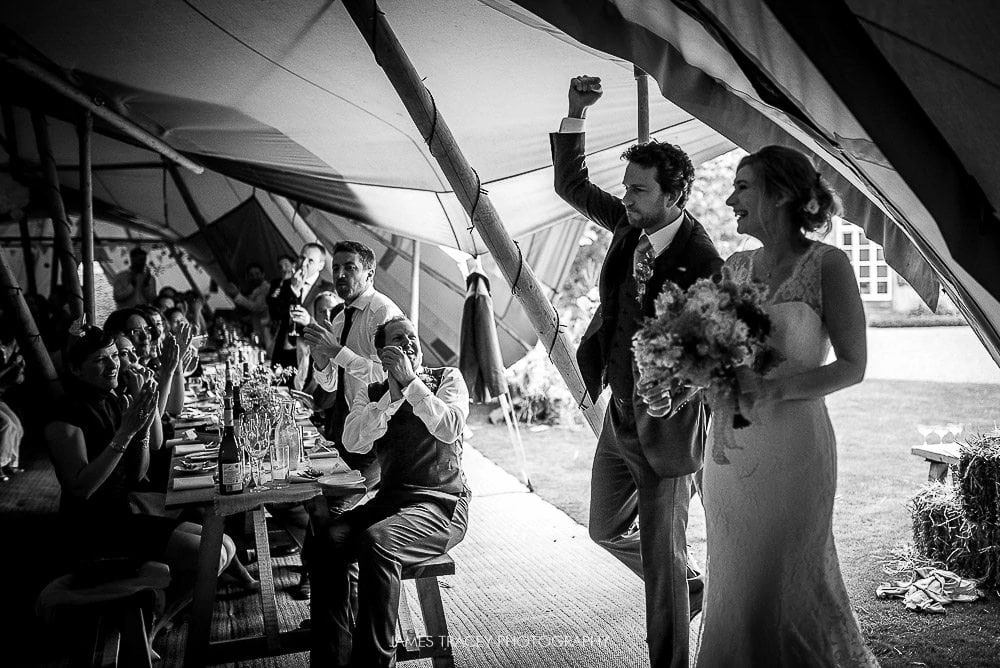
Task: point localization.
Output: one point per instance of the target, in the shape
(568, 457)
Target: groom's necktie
(643, 256)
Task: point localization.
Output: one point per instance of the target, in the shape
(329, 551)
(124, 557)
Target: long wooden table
(200, 650)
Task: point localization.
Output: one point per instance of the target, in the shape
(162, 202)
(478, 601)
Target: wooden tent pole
(429, 120)
(62, 248)
(642, 104)
(17, 170)
(299, 223)
(415, 284)
(99, 109)
(27, 334)
(29, 255)
(199, 220)
(84, 131)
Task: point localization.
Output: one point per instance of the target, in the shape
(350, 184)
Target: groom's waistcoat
(618, 372)
(414, 463)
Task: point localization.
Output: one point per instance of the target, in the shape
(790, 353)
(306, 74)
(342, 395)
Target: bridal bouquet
(700, 336)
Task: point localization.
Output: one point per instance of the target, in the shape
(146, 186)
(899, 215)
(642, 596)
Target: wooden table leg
(938, 472)
(200, 627)
(265, 571)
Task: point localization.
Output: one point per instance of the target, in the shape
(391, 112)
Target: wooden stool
(436, 645)
(114, 609)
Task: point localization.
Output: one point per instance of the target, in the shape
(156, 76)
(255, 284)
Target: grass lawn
(877, 476)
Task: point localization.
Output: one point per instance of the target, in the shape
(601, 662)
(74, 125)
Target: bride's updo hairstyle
(785, 172)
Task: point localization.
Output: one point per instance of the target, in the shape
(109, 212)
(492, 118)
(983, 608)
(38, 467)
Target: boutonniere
(430, 381)
(643, 272)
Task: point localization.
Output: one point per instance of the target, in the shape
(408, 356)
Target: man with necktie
(294, 304)
(648, 450)
(345, 360)
(343, 350)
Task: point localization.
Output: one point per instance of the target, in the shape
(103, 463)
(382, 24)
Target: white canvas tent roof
(287, 98)
(899, 98)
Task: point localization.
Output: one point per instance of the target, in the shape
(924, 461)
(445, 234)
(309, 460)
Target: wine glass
(925, 431)
(256, 445)
(941, 431)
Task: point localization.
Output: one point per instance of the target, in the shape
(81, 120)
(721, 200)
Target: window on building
(868, 260)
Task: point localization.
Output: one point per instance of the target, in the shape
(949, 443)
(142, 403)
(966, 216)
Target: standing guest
(293, 306)
(286, 265)
(344, 356)
(252, 300)
(198, 313)
(644, 463)
(413, 421)
(135, 285)
(776, 596)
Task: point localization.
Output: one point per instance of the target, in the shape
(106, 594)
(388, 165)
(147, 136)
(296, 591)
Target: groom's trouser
(624, 486)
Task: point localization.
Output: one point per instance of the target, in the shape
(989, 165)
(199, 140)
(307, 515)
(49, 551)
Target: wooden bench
(940, 456)
(436, 645)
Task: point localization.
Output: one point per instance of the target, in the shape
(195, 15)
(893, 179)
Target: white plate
(341, 480)
(200, 467)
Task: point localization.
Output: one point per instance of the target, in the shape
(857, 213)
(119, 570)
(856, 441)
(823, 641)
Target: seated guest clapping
(414, 422)
(98, 441)
(149, 344)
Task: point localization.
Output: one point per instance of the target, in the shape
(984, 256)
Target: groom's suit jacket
(675, 446)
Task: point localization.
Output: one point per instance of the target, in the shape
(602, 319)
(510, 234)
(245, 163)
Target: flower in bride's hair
(811, 207)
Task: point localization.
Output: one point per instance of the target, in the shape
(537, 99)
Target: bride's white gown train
(775, 594)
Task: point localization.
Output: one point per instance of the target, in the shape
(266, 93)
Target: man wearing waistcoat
(414, 422)
(643, 466)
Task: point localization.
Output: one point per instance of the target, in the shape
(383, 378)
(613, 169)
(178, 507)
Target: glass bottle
(230, 463)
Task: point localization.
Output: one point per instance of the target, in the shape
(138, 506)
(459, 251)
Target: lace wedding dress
(775, 595)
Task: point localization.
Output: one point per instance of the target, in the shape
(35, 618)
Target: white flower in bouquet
(700, 336)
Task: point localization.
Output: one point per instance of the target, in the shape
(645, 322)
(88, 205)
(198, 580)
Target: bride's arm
(845, 321)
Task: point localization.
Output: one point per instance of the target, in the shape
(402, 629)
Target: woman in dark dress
(99, 444)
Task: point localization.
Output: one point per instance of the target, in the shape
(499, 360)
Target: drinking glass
(254, 442)
(941, 430)
(279, 462)
(925, 431)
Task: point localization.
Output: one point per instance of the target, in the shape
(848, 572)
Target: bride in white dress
(775, 594)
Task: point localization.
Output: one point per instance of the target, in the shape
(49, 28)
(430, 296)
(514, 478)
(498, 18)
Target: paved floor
(531, 589)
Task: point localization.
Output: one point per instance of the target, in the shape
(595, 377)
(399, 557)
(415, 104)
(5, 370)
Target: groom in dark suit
(644, 465)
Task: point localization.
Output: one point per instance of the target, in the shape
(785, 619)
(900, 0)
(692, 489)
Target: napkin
(194, 482)
(323, 454)
(187, 448)
(296, 477)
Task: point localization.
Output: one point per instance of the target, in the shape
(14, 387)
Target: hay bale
(943, 532)
(978, 479)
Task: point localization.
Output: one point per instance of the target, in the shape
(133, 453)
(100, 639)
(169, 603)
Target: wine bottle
(230, 463)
